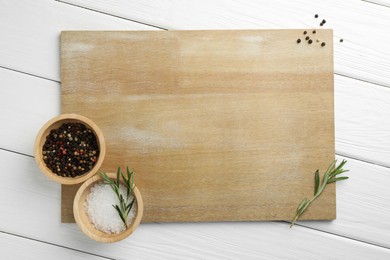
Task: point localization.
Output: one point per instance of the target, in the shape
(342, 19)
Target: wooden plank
(15, 248)
(26, 104)
(362, 120)
(219, 122)
(364, 54)
(40, 23)
(39, 218)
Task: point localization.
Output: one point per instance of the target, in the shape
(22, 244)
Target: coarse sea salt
(101, 212)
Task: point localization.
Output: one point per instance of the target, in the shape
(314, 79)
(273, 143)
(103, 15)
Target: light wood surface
(218, 125)
(30, 95)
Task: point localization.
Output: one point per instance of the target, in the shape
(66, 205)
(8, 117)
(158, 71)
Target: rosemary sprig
(125, 204)
(329, 177)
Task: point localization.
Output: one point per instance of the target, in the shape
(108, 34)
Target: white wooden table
(30, 225)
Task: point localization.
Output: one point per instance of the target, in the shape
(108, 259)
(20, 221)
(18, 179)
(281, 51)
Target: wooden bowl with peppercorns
(69, 149)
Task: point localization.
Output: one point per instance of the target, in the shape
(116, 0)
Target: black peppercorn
(323, 21)
(63, 152)
(316, 16)
(341, 40)
(310, 41)
(323, 44)
(307, 38)
(305, 32)
(299, 40)
(314, 31)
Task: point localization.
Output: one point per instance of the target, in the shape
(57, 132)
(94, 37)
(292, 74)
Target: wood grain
(219, 125)
(360, 107)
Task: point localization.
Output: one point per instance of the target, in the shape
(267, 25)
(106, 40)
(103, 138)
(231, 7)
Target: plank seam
(340, 154)
(363, 80)
(19, 153)
(362, 160)
(113, 15)
(49, 243)
(330, 233)
(374, 3)
(29, 74)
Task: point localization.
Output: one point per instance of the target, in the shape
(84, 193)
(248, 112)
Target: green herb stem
(125, 204)
(329, 177)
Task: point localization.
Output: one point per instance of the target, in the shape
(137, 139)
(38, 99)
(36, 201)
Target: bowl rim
(38, 149)
(110, 238)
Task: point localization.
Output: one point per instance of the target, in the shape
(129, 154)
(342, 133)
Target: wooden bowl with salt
(84, 222)
(62, 177)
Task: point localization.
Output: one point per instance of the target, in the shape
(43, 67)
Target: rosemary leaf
(122, 203)
(304, 207)
(130, 206)
(316, 181)
(117, 176)
(106, 179)
(126, 180)
(301, 204)
(131, 174)
(120, 215)
(337, 179)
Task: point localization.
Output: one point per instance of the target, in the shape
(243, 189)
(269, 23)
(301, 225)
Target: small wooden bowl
(85, 224)
(55, 123)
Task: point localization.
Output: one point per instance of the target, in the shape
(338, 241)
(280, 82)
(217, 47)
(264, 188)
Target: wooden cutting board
(218, 125)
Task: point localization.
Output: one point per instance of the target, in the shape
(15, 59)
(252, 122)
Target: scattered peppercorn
(307, 38)
(341, 40)
(323, 21)
(316, 16)
(310, 41)
(71, 152)
(314, 31)
(323, 44)
(305, 32)
(299, 40)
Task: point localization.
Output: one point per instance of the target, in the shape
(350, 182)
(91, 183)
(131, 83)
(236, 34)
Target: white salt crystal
(101, 212)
